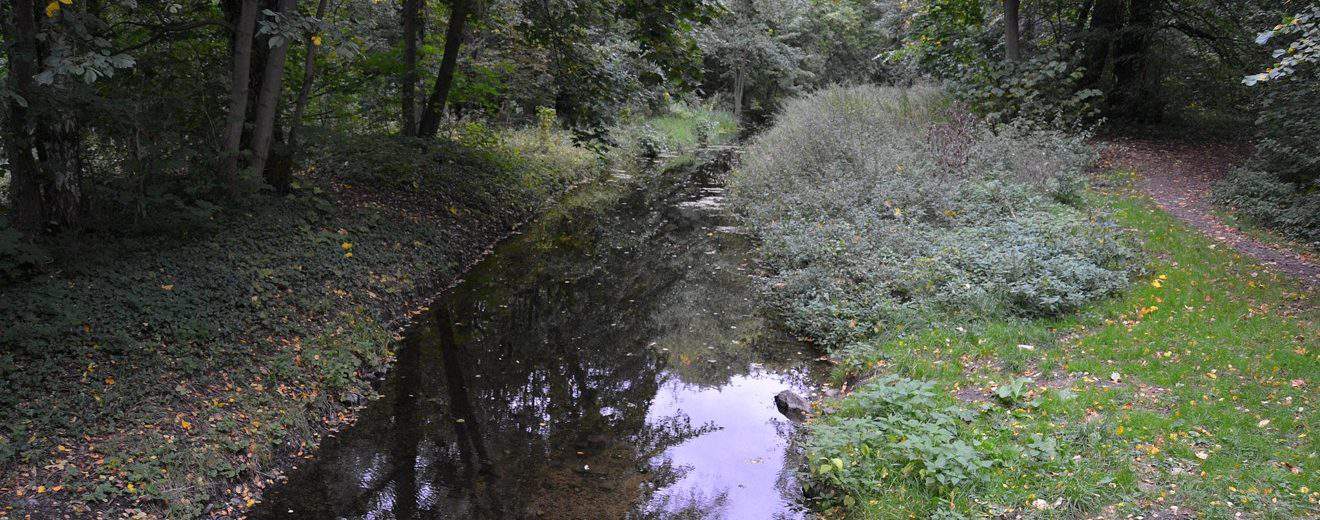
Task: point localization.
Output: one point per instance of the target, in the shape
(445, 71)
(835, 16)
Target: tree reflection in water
(530, 390)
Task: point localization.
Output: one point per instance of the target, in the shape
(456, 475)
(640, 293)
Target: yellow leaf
(131, 489)
(52, 8)
(41, 489)
(167, 287)
(66, 2)
(1155, 284)
(1119, 431)
(316, 39)
(346, 246)
(185, 424)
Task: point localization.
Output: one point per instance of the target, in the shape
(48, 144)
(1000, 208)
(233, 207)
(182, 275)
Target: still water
(611, 361)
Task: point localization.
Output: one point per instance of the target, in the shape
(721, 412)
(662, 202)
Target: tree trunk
(42, 145)
(1106, 23)
(268, 103)
(739, 85)
(28, 212)
(1136, 93)
(435, 104)
(309, 74)
(1012, 40)
(1028, 30)
(238, 94)
(411, 13)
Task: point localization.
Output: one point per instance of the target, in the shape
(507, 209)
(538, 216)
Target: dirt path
(1179, 177)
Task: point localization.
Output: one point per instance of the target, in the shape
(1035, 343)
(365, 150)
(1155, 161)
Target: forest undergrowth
(1015, 337)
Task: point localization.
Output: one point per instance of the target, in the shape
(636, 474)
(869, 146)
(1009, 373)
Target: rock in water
(792, 406)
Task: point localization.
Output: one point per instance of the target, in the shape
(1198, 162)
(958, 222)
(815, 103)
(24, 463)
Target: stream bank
(611, 361)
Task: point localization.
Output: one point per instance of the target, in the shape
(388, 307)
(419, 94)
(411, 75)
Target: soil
(1179, 177)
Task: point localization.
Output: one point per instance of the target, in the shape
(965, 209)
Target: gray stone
(792, 406)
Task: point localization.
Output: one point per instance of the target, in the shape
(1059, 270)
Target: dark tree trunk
(28, 212)
(43, 146)
(268, 97)
(238, 94)
(1012, 23)
(435, 104)
(309, 74)
(1136, 93)
(1028, 30)
(411, 15)
(1106, 23)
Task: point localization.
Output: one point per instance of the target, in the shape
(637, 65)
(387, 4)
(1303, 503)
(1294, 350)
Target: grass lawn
(1191, 395)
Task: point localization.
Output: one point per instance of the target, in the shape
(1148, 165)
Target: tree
(238, 94)
(755, 43)
(313, 44)
(43, 134)
(268, 100)
(411, 18)
(1012, 41)
(444, 79)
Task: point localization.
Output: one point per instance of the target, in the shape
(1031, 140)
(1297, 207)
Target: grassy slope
(1196, 389)
(172, 374)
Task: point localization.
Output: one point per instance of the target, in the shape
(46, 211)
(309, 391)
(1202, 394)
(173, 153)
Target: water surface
(610, 362)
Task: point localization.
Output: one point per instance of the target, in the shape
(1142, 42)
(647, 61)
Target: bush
(880, 208)
(19, 258)
(1043, 92)
(1280, 186)
(893, 429)
(1264, 199)
(470, 160)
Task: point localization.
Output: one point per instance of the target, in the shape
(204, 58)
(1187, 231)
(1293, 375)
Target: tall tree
(411, 31)
(268, 101)
(444, 79)
(238, 93)
(42, 139)
(1012, 39)
(1135, 94)
(313, 43)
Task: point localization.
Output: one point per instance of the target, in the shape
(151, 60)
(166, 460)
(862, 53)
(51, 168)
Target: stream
(610, 361)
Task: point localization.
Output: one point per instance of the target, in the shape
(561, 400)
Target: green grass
(678, 130)
(682, 125)
(1195, 389)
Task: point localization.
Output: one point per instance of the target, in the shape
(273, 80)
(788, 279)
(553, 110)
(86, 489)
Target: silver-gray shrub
(882, 206)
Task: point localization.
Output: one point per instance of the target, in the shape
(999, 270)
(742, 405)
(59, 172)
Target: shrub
(1264, 199)
(19, 258)
(881, 207)
(1042, 92)
(893, 429)
(1280, 186)
(471, 160)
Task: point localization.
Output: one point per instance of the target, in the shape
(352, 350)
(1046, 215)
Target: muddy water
(610, 362)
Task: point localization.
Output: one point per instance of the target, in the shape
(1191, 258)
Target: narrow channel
(611, 361)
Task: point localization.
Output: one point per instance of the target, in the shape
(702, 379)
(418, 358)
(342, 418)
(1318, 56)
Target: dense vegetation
(211, 211)
(1280, 186)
